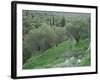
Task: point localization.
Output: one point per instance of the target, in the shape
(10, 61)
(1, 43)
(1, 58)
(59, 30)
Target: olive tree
(60, 34)
(77, 30)
(38, 40)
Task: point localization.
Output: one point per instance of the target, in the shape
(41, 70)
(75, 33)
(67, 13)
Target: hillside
(64, 55)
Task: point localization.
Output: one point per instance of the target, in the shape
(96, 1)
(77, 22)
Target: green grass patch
(52, 56)
(48, 57)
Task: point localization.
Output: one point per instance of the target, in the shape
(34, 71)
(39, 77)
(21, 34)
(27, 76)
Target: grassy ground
(57, 56)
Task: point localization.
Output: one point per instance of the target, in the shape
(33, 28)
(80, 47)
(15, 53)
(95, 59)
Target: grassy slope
(51, 57)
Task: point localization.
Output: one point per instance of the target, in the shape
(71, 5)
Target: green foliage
(39, 39)
(86, 60)
(77, 30)
(48, 57)
(56, 57)
(27, 22)
(63, 21)
(60, 34)
(49, 38)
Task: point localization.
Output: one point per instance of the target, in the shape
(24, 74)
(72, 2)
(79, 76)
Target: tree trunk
(77, 39)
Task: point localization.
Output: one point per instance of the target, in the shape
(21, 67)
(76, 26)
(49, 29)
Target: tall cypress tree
(63, 22)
